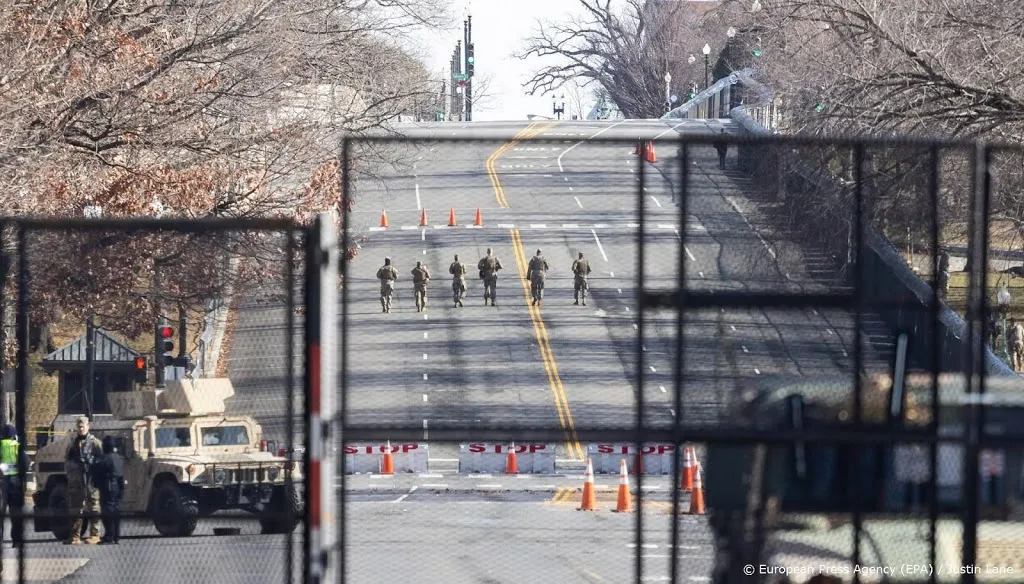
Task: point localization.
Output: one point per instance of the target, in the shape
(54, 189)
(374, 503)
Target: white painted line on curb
(599, 246)
(402, 498)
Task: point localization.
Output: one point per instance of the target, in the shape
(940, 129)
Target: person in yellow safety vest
(11, 454)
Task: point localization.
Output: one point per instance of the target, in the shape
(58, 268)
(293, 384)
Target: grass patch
(958, 288)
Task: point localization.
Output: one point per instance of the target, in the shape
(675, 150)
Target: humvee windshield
(172, 437)
(225, 436)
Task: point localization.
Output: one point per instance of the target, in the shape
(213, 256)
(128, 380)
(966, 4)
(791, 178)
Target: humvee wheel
(175, 512)
(284, 500)
(59, 506)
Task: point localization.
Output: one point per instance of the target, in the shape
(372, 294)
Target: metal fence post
(321, 562)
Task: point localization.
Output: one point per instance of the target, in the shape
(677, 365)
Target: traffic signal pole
(158, 369)
(468, 30)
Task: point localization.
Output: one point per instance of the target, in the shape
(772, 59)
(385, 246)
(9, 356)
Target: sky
(499, 30)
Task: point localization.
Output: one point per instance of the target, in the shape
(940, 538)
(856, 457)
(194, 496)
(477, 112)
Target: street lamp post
(668, 91)
(707, 65)
(555, 110)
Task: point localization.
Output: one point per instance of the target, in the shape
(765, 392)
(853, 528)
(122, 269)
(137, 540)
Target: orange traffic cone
(625, 503)
(697, 498)
(589, 501)
(451, 218)
(423, 218)
(638, 464)
(511, 464)
(388, 465)
(650, 152)
(383, 218)
(479, 222)
(686, 483)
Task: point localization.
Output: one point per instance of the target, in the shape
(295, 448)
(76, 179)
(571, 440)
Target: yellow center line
(539, 329)
(526, 133)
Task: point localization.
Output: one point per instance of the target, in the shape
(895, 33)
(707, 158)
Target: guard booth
(824, 477)
(113, 370)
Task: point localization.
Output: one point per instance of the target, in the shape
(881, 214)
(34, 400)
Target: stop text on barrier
(505, 448)
(631, 449)
(380, 448)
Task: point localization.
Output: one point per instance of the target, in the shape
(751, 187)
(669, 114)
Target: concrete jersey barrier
(367, 457)
(657, 458)
(491, 457)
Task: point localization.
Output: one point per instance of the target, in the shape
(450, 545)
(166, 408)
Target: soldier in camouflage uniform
(535, 273)
(420, 278)
(580, 270)
(489, 266)
(458, 272)
(387, 274)
(82, 494)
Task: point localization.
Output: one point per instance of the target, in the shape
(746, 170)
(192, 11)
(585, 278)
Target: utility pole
(460, 106)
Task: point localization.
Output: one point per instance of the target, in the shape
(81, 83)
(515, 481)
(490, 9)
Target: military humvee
(184, 459)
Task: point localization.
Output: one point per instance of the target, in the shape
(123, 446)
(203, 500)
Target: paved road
(557, 189)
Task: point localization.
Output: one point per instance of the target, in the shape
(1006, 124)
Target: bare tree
(213, 108)
(627, 52)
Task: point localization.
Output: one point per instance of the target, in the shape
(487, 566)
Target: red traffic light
(166, 332)
(140, 363)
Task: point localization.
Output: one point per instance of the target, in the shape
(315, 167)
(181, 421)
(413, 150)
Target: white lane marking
(744, 347)
(570, 226)
(566, 151)
(424, 377)
(756, 370)
(679, 237)
(643, 545)
(424, 398)
(548, 175)
(701, 274)
(424, 429)
(407, 227)
(732, 326)
(620, 290)
(601, 225)
(424, 356)
(423, 235)
(578, 201)
(434, 485)
(402, 498)
(656, 200)
(570, 188)
(669, 130)
(771, 251)
(662, 388)
(427, 475)
(566, 178)
(644, 348)
(830, 331)
(538, 226)
(635, 327)
(650, 488)
(481, 476)
(672, 412)
(612, 274)
(424, 252)
(668, 226)
(489, 486)
(689, 254)
(506, 225)
(418, 205)
(599, 246)
(653, 370)
(426, 317)
(425, 335)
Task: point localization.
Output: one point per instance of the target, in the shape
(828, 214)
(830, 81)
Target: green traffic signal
(819, 107)
(471, 60)
(757, 52)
